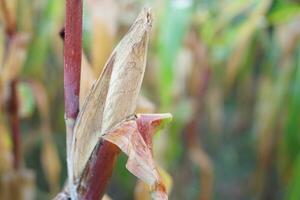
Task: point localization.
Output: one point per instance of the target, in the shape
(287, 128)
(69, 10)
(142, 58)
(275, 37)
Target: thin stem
(15, 123)
(72, 57)
(72, 69)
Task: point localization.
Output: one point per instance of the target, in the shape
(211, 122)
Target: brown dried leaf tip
(134, 138)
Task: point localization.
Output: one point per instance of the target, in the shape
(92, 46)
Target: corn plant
(105, 124)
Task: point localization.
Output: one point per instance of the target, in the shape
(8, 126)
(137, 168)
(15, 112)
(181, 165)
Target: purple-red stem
(72, 57)
(98, 171)
(15, 123)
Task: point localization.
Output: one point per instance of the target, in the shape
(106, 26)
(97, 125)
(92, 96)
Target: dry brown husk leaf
(17, 185)
(104, 28)
(114, 95)
(87, 78)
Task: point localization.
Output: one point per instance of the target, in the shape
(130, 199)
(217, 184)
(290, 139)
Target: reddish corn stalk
(15, 123)
(97, 174)
(72, 57)
(72, 69)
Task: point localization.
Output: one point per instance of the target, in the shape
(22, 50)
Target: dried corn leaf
(64, 195)
(128, 73)
(106, 197)
(201, 160)
(15, 57)
(8, 10)
(104, 28)
(114, 95)
(87, 78)
(6, 157)
(166, 178)
(215, 98)
(2, 45)
(26, 16)
(141, 191)
(134, 138)
(15, 185)
(89, 121)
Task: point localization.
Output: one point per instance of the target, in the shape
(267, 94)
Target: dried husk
(113, 97)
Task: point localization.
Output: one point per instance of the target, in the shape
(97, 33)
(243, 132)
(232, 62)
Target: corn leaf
(134, 138)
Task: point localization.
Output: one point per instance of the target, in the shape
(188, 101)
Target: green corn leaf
(173, 26)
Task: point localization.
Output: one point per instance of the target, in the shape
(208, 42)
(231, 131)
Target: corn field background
(227, 70)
